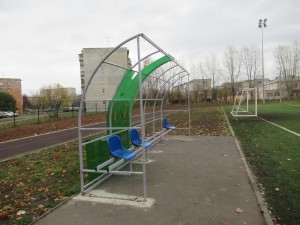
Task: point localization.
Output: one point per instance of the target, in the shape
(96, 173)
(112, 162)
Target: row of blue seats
(117, 150)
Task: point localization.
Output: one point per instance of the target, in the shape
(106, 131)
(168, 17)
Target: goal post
(245, 103)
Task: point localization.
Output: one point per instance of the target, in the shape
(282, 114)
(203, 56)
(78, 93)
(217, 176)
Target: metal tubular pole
(81, 108)
(153, 53)
(110, 117)
(153, 44)
(263, 72)
(174, 83)
(110, 113)
(95, 71)
(161, 114)
(81, 162)
(153, 117)
(189, 105)
(256, 101)
(168, 82)
(158, 78)
(131, 69)
(161, 50)
(154, 103)
(247, 100)
(154, 114)
(142, 119)
(156, 46)
(104, 59)
(172, 86)
(119, 66)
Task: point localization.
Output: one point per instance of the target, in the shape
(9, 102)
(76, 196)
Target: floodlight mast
(262, 24)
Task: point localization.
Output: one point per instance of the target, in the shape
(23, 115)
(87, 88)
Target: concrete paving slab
(198, 180)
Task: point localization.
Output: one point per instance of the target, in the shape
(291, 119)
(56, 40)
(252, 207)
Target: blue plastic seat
(117, 150)
(166, 124)
(136, 140)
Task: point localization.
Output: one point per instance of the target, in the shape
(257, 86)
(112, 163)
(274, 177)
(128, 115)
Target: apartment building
(13, 86)
(107, 77)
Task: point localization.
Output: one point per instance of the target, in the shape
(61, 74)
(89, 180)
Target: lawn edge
(263, 207)
(52, 210)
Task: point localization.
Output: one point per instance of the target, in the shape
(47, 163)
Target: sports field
(285, 114)
(273, 155)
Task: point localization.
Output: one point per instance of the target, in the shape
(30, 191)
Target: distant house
(13, 86)
(197, 89)
(274, 89)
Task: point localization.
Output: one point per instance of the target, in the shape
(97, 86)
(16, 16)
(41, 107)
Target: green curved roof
(121, 106)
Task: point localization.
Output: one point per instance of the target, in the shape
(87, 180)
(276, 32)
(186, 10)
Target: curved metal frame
(142, 108)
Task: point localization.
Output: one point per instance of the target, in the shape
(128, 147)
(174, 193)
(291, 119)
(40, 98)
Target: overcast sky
(41, 39)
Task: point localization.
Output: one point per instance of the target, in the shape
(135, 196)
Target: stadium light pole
(262, 24)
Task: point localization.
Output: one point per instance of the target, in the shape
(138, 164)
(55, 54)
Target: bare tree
(195, 76)
(287, 59)
(232, 65)
(212, 72)
(251, 63)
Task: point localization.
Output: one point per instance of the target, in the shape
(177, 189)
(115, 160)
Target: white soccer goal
(245, 102)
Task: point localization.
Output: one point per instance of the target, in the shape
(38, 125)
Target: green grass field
(285, 114)
(273, 156)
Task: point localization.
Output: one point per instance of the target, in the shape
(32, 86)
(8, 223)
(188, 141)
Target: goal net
(245, 102)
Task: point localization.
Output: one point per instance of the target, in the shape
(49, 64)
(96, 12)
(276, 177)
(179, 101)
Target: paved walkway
(201, 180)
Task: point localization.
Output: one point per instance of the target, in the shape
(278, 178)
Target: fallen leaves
(3, 215)
(27, 188)
(239, 210)
(21, 212)
(21, 204)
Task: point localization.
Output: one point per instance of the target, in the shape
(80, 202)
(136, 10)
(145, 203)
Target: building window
(1, 82)
(277, 93)
(103, 91)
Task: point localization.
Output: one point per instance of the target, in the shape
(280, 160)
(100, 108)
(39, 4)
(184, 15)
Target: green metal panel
(119, 111)
(96, 153)
(125, 95)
